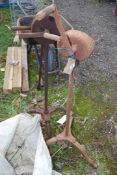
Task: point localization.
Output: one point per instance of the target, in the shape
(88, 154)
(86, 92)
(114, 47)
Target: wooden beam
(25, 82)
(17, 72)
(20, 28)
(7, 86)
(40, 34)
(52, 37)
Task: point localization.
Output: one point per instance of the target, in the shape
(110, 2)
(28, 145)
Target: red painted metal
(115, 10)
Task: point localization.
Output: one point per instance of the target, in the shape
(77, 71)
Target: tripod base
(68, 137)
(45, 114)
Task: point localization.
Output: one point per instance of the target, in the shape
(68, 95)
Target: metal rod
(67, 22)
(39, 63)
(40, 72)
(20, 6)
(68, 107)
(45, 56)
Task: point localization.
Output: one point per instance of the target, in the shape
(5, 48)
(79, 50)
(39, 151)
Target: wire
(67, 22)
(57, 151)
(20, 6)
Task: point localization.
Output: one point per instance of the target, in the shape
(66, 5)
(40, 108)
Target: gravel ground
(99, 21)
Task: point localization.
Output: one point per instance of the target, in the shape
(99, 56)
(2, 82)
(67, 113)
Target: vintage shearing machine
(44, 29)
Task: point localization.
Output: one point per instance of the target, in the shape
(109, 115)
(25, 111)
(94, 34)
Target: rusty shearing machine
(46, 28)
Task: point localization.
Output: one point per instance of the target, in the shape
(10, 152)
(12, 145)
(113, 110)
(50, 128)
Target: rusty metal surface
(66, 135)
(46, 24)
(81, 44)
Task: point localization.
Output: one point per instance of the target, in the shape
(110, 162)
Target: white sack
(22, 147)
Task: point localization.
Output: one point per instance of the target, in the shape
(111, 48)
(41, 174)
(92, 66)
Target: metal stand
(66, 135)
(46, 111)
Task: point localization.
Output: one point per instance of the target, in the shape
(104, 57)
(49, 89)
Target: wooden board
(17, 70)
(13, 72)
(7, 86)
(25, 82)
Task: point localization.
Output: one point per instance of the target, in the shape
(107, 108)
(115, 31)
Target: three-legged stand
(66, 135)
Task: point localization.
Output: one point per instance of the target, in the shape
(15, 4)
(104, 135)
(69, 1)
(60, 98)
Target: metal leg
(57, 61)
(45, 57)
(40, 76)
(39, 61)
(29, 47)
